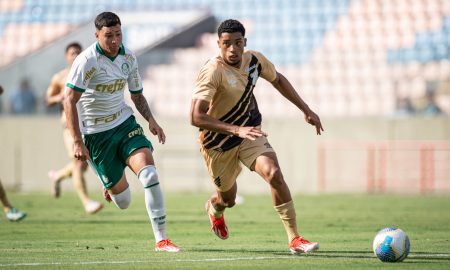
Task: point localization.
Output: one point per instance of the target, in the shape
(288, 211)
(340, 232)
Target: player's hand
(313, 119)
(80, 151)
(155, 129)
(250, 133)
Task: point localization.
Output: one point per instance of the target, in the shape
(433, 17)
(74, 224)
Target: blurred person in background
(431, 108)
(23, 100)
(76, 168)
(103, 126)
(225, 109)
(12, 213)
(404, 107)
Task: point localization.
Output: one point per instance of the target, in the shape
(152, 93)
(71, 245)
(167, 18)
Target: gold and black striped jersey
(230, 93)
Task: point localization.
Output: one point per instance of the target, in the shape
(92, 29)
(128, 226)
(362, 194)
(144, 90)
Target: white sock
(123, 199)
(154, 201)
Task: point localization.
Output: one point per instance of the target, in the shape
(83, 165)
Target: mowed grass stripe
(58, 234)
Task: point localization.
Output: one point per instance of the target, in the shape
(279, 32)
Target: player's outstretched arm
(288, 91)
(70, 109)
(142, 106)
(201, 119)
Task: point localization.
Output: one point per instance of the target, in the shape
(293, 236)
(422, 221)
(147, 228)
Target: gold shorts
(224, 167)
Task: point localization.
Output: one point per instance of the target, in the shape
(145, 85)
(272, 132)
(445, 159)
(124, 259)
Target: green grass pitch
(58, 235)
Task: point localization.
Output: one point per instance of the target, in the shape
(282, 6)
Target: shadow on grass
(352, 254)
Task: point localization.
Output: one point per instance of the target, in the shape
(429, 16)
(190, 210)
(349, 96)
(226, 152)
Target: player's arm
(201, 119)
(287, 90)
(142, 106)
(54, 94)
(70, 108)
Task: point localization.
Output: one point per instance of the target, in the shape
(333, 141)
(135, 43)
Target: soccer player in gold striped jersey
(225, 109)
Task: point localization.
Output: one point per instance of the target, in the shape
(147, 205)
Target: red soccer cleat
(106, 195)
(166, 245)
(301, 245)
(218, 225)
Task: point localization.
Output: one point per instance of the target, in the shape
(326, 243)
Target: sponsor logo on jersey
(88, 75)
(111, 88)
(102, 119)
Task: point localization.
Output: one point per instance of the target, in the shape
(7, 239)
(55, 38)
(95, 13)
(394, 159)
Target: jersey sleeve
(207, 83)
(81, 73)
(268, 71)
(134, 79)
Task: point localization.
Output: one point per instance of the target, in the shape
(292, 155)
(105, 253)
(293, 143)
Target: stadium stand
(348, 58)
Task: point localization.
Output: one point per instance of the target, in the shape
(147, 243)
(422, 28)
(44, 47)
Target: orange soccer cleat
(301, 245)
(166, 245)
(218, 225)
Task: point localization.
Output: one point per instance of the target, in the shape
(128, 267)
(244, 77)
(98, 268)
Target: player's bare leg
(215, 207)
(79, 182)
(4, 199)
(56, 176)
(267, 166)
(12, 214)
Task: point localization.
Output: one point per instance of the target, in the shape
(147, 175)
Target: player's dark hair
(106, 19)
(75, 45)
(231, 26)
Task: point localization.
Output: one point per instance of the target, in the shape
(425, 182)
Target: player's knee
(274, 177)
(148, 176)
(123, 199)
(229, 202)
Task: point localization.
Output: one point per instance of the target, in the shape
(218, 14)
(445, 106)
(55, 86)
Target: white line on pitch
(152, 261)
(428, 255)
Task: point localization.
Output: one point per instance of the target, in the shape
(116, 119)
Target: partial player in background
(225, 110)
(75, 168)
(104, 128)
(12, 214)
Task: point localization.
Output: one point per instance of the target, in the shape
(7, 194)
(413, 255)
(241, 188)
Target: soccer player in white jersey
(104, 129)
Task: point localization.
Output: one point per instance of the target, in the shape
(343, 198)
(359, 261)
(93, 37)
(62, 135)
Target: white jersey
(102, 81)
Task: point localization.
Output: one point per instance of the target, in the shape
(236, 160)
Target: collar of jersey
(100, 50)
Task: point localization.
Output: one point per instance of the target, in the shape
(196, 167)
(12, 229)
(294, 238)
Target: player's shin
(286, 211)
(154, 201)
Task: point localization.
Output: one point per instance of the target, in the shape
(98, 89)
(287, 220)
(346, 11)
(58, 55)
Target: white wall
(31, 146)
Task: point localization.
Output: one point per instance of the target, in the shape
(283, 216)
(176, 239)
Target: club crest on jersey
(231, 79)
(126, 68)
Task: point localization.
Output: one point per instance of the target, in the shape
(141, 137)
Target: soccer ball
(391, 245)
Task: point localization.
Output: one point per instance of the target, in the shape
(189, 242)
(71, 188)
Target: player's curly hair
(231, 26)
(106, 19)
